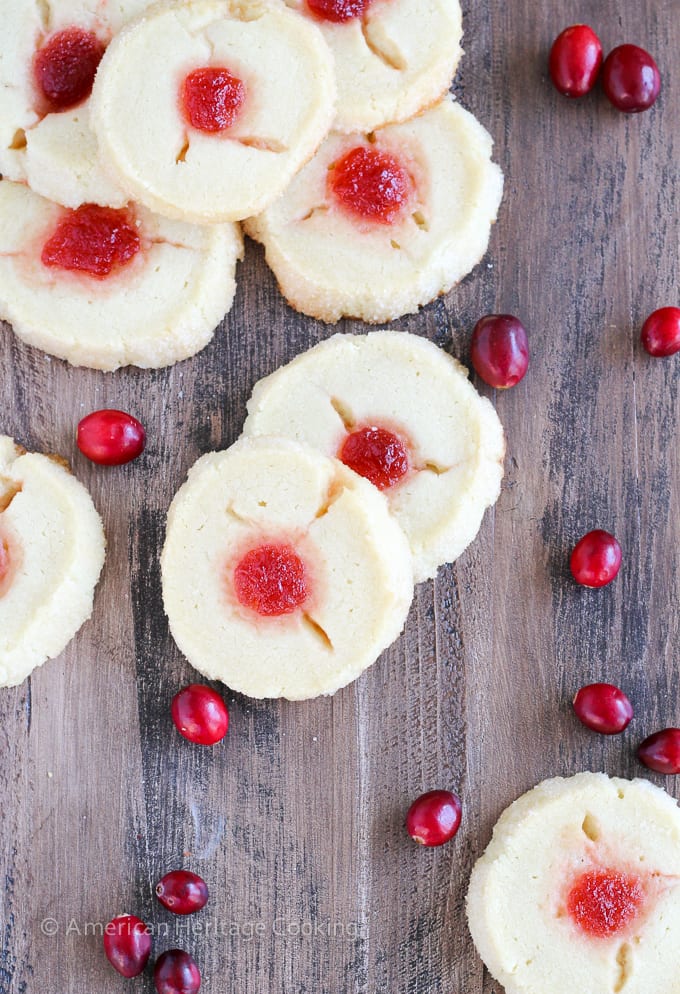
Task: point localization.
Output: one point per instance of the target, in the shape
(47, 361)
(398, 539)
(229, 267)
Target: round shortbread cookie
(579, 890)
(330, 263)
(161, 306)
(268, 493)
(55, 152)
(401, 383)
(174, 167)
(392, 60)
(51, 554)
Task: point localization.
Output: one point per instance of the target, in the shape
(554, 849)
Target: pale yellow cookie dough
(329, 265)
(55, 153)
(275, 490)
(392, 62)
(518, 896)
(185, 173)
(161, 307)
(51, 554)
(406, 384)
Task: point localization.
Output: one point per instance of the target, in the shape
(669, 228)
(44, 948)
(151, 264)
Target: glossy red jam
(377, 454)
(338, 10)
(603, 902)
(370, 184)
(271, 580)
(212, 99)
(65, 67)
(93, 240)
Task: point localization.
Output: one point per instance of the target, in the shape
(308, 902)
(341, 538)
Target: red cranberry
(182, 892)
(575, 60)
(631, 79)
(499, 350)
(176, 972)
(434, 817)
(661, 751)
(200, 714)
(661, 332)
(110, 437)
(596, 559)
(127, 944)
(603, 708)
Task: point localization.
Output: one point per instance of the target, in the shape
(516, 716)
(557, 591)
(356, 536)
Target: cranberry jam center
(338, 10)
(65, 67)
(370, 184)
(271, 579)
(93, 240)
(377, 454)
(211, 99)
(602, 902)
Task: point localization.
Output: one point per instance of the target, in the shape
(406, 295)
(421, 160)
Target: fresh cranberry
(127, 944)
(212, 99)
(110, 437)
(434, 817)
(575, 60)
(65, 67)
(338, 10)
(182, 892)
(499, 350)
(603, 708)
(176, 972)
(370, 184)
(661, 332)
(631, 79)
(602, 902)
(200, 714)
(93, 240)
(271, 580)
(596, 559)
(377, 454)
(661, 751)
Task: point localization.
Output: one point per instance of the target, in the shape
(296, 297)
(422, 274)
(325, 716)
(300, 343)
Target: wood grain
(296, 821)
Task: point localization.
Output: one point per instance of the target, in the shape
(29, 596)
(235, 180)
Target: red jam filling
(602, 902)
(377, 454)
(93, 240)
(211, 99)
(370, 184)
(271, 579)
(65, 67)
(338, 10)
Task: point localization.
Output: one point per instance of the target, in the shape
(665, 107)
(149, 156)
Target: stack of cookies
(134, 138)
(290, 558)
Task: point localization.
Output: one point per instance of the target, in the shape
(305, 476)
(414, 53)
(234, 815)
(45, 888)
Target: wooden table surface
(296, 820)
